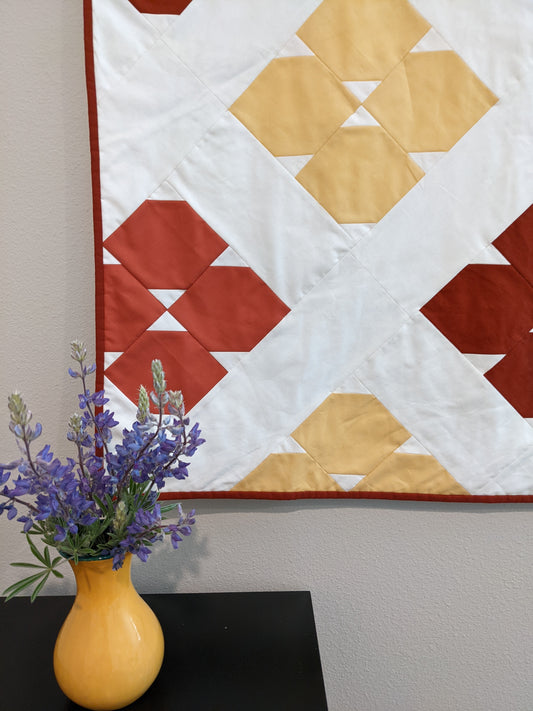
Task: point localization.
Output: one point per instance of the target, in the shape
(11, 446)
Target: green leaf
(47, 557)
(104, 525)
(39, 587)
(35, 552)
(36, 530)
(57, 573)
(16, 588)
(100, 503)
(26, 565)
(167, 507)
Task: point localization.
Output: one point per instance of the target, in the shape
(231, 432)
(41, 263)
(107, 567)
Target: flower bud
(158, 377)
(76, 428)
(175, 399)
(20, 415)
(121, 513)
(78, 351)
(143, 410)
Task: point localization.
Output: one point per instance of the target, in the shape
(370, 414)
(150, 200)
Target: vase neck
(98, 577)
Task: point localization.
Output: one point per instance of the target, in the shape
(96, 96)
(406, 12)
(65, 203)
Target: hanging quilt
(316, 213)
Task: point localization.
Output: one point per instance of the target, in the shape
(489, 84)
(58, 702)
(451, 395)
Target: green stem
(20, 501)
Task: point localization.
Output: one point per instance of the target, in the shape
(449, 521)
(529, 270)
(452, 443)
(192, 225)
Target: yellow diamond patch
(350, 434)
(429, 101)
(363, 39)
(294, 105)
(411, 474)
(359, 174)
(287, 472)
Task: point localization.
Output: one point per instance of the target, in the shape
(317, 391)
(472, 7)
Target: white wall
(419, 606)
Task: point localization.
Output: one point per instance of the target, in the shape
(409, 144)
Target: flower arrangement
(104, 502)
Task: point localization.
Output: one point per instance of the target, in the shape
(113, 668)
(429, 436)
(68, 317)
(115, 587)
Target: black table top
(223, 652)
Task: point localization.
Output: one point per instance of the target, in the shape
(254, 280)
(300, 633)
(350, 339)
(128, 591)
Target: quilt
(317, 215)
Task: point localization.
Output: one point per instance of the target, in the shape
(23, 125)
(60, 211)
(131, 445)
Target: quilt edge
(96, 190)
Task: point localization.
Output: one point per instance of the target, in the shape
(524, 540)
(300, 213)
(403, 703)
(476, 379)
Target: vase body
(110, 647)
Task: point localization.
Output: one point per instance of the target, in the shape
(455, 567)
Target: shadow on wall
(268, 506)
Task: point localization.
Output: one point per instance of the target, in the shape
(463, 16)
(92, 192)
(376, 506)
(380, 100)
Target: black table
(223, 652)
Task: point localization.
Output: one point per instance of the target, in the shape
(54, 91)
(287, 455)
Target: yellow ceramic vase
(110, 647)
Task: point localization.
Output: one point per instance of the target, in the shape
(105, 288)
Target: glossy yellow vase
(110, 647)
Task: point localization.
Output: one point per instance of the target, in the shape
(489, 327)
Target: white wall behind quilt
(419, 606)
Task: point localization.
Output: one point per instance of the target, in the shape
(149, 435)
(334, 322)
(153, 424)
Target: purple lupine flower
(175, 539)
(69, 498)
(27, 521)
(61, 533)
(143, 552)
(118, 558)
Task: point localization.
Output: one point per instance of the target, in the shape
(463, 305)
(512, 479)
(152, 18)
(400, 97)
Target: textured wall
(418, 606)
